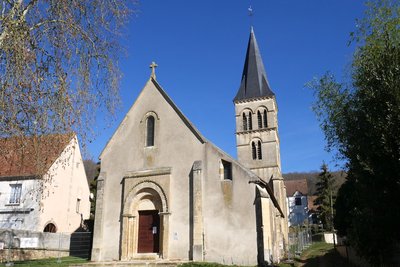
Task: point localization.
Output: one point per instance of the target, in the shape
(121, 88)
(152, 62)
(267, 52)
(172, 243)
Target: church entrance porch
(144, 223)
(149, 231)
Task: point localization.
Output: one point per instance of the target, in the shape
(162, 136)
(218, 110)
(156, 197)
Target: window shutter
(259, 120)
(259, 150)
(265, 119)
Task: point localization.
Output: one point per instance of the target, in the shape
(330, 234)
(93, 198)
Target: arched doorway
(144, 224)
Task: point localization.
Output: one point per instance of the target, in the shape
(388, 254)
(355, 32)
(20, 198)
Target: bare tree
(58, 64)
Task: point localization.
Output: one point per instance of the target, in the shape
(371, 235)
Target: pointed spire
(254, 79)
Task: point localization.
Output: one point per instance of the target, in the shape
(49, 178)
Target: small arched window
(150, 131)
(259, 118)
(256, 150)
(250, 121)
(50, 228)
(259, 151)
(265, 119)
(253, 150)
(244, 122)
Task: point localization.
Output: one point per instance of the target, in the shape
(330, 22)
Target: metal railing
(299, 240)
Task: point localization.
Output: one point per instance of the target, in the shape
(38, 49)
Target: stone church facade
(166, 192)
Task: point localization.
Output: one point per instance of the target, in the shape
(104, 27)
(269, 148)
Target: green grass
(285, 265)
(316, 250)
(319, 254)
(204, 264)
(62, 262)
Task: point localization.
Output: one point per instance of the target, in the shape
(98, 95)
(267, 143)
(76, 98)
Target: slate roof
(30, 157)
(296, 185)
(254, 81)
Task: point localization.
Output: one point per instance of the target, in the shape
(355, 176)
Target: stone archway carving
(143, 191)
(133, 193)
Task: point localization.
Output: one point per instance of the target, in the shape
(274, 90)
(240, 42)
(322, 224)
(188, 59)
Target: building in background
(43, 186)
(297, 199)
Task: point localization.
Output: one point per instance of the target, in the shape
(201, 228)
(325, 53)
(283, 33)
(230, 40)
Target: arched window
(244, 122)
(259, 118)
(254, 150)
(150, 131)
(250, 121)
(50, 228)
(265, 119)
(259, 152)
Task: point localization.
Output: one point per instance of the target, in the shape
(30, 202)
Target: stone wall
(30, 254)
(22, 245)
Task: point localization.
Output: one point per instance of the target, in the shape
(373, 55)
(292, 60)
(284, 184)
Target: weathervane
(250, 13)
(153, 67)
(250, 10)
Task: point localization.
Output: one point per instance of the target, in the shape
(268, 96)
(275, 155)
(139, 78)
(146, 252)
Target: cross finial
(153, 67)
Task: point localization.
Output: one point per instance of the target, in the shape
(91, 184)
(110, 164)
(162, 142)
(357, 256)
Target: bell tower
(257, 139)
(258, 149)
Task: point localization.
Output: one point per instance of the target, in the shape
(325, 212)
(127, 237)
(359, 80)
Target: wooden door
(149, 231)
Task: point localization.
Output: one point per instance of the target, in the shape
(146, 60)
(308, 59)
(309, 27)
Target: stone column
(128, 247)
(197, 191)
(164, 218)
(280, 194)
(98, 221)
(132, 241)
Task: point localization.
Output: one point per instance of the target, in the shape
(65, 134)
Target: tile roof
(30, 156)
(296, 185)
(311, 205)
(254, 82)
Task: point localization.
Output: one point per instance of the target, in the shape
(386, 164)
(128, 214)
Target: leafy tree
(325, 195)
(345, 202)
(58, 64)
(361, 121)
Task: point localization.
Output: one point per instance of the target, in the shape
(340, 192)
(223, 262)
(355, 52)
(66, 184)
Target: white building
(296, 192)
(43, 184)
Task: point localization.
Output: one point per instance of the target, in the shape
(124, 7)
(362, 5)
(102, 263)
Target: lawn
(204, 264)
(62, 262)
(319, 254)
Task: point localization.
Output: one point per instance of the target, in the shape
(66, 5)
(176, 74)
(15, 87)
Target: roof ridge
(185, 120)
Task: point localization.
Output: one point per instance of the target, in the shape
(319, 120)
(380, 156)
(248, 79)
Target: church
(167, 193)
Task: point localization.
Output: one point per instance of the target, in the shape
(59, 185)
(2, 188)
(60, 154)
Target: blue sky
(200, 48)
